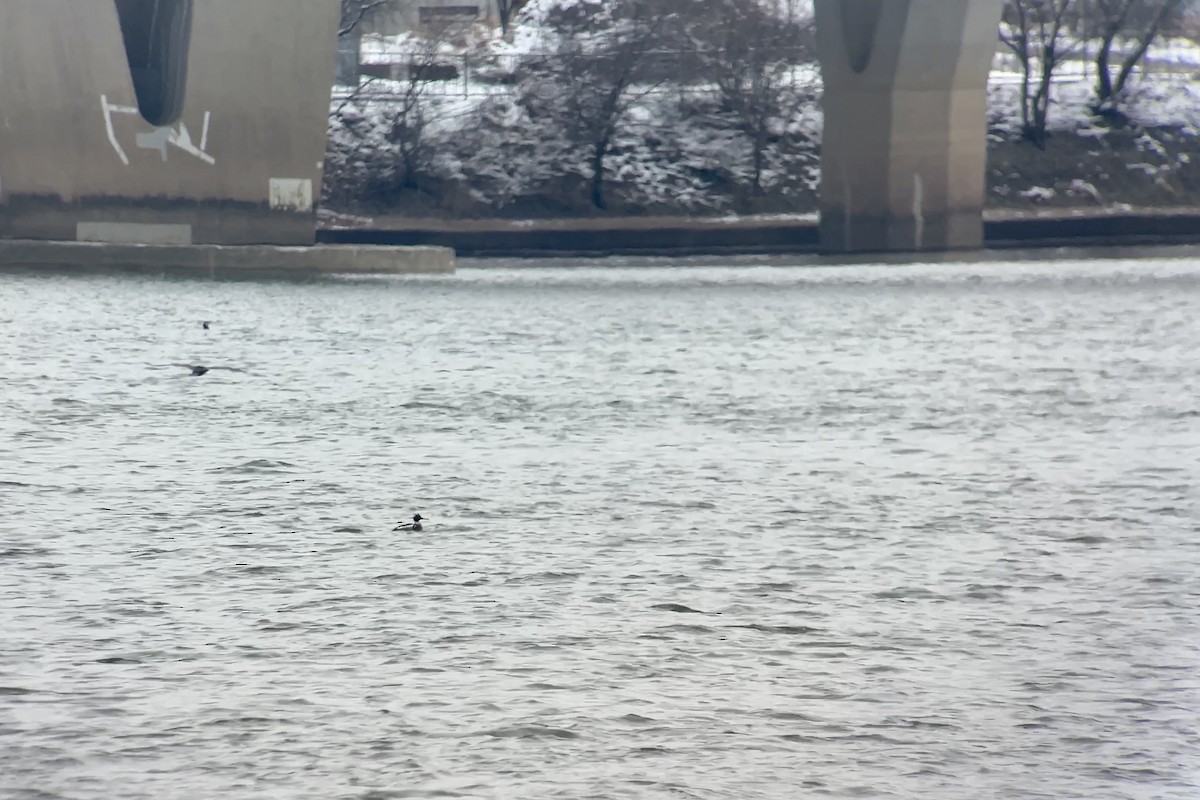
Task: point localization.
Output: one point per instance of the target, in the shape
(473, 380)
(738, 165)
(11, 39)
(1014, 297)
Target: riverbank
(655, 236)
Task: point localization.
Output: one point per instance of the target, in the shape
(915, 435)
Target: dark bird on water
(198, 369)
(415, 525)
(204, 325)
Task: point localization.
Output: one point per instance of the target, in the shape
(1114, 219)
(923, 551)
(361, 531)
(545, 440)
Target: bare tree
(1039, 32)
(354, 12)
(749, 51)
(1134, 23)
(407, 113)
(598, 71)
(507, 11)
(385, 146)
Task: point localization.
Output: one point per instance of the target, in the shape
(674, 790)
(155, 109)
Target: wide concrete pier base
(905, 147)
(223, 261)
(164, 121)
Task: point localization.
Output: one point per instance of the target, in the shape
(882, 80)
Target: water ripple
(713, 532)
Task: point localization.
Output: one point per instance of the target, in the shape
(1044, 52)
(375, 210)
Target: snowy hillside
(484, 140)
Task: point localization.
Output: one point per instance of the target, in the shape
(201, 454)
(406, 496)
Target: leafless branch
(355, 11)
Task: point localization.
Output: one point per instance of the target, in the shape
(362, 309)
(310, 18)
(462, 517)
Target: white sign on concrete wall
(291, 194)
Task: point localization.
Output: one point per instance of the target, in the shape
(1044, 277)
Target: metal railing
(387, 74)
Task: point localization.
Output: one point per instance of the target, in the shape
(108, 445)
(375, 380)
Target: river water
(695, 531)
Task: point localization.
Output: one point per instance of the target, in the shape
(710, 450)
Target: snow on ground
(378, 49)
(1177, 52)
(1155, 100)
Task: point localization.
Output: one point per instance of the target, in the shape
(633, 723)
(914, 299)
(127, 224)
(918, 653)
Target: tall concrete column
(905, 144)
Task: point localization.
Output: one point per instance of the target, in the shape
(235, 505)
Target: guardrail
(383, 72)
(386, 74)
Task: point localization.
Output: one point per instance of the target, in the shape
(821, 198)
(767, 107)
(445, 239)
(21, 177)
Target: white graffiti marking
(157, 139)
(108, 123)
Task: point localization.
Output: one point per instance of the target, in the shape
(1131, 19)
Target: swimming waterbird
(198, 369)
(415, 525)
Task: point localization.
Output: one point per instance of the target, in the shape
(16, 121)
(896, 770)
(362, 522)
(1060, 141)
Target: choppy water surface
(703, 532)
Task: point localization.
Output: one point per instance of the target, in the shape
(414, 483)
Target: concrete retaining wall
(1098, 230)
(223, 261)
(239, 160)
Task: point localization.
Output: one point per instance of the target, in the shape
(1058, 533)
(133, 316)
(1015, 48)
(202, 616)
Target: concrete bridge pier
(172, 136)
(164, 121)
(905, 145)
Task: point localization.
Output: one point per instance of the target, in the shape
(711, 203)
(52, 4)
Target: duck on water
(415, 525)
(199, 369)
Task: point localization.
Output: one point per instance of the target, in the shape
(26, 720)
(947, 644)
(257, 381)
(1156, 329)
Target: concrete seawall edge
(596, 238)
(224, 260)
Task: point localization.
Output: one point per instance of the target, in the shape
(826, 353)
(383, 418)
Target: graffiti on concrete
(159, 138)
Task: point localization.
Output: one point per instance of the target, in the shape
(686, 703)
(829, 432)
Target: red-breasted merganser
(415, 525)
